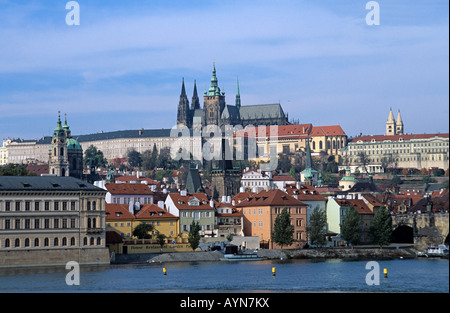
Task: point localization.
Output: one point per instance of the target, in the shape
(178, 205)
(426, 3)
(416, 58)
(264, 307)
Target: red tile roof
(181, 202)
(306, 192)
(333, 130)
(358, 204)
(406, 137)
(153, 211)
(283, 178)
(128, 189)
(115, 211)
(271, 198)
(283, 131)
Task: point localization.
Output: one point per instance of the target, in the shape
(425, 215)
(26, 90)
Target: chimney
(233, 203)
(228, 199)
(183, 193)
(161, 204)
(211, 203)
(224, 199)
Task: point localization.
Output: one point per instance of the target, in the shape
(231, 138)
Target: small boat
(439, 251)
(241, 257)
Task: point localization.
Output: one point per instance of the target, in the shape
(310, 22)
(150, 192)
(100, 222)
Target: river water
(416, 275)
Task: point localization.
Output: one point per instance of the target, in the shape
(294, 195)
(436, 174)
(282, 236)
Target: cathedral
(65, 153)
(216, 112)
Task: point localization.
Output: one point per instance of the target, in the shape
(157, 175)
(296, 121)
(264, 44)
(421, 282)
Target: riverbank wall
(285, 254)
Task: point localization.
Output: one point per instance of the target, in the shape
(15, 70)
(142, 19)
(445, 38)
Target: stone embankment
(342, 253)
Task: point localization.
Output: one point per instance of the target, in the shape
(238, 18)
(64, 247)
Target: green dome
(72, 144)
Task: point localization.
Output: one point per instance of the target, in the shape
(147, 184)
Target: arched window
(320, 145)
(314, 145)
(89, 223)
(94, 205)
(55, 242)
(94, 223)
(46, 242)
(64, 241)
(72, 241)
(61, 151)
(63, 172)
(92, 241)
(27, 242)
(36, 242)
(85, 241)
(89, 205)
(99, 241)
(7, 243)
(17, 243)
(54, 152)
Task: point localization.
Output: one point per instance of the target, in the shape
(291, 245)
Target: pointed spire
(308, 160)
(238, 96)
(214, 90)
(399, 118)
(195, 100)
(391, 117)
(183, 90)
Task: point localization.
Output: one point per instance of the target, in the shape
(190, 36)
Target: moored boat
(439, 251)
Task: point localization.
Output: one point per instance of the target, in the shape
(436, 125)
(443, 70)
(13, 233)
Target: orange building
(260, 211)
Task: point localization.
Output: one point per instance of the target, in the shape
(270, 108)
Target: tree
(382, 227)
(351, 227)
(194, 235)
(161, 238)
(317, 228)
(142, 231)
(134, 158)
(283, 231)
(15, 170)
(292, 172)
(94, 158)
(149, 158)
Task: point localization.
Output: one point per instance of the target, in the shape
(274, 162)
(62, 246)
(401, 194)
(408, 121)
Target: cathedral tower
(214, 102)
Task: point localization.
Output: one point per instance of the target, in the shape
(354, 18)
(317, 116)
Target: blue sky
(122, 67)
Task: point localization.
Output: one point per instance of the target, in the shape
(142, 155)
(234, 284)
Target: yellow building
(121, 220)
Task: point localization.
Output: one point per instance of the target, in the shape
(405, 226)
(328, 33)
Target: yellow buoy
(164, 271)
(274, 271)
(385, 271)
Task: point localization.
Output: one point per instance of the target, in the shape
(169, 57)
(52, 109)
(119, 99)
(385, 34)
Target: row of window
(127, 200)
(196, 215)
(20, 205)
(56, 242)
(277, 210)
(45, 223)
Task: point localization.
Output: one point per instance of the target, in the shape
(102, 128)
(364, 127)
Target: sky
(122, 66)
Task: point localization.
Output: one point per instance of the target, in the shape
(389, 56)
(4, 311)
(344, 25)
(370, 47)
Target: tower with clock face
(213, 102)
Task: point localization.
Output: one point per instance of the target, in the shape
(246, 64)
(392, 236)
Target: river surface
(416, 275)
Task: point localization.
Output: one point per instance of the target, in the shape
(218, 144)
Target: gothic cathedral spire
(238, 96)
(184, 113)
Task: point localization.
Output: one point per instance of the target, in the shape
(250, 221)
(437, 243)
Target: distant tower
(58, 163)
(214, 102)
(238, 96)
(195, 100)
(399, 124)
(390, 124)
(184, 113)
